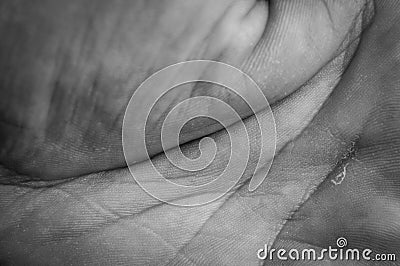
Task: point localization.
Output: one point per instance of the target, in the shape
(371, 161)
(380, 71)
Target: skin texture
(71, 68)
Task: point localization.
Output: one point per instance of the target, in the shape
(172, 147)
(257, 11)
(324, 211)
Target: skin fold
(328, 68)
(72, 67)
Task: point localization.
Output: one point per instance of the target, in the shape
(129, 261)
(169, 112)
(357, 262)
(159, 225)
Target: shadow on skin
(348, 90)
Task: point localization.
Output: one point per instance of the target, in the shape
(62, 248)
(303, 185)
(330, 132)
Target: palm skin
(81, 207)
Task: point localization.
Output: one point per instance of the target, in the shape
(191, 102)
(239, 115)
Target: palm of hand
(106, 218)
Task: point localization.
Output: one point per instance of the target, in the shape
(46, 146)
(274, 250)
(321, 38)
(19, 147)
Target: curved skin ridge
(59, 63)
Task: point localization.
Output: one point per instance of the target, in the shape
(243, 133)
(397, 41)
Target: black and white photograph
(200, 132)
